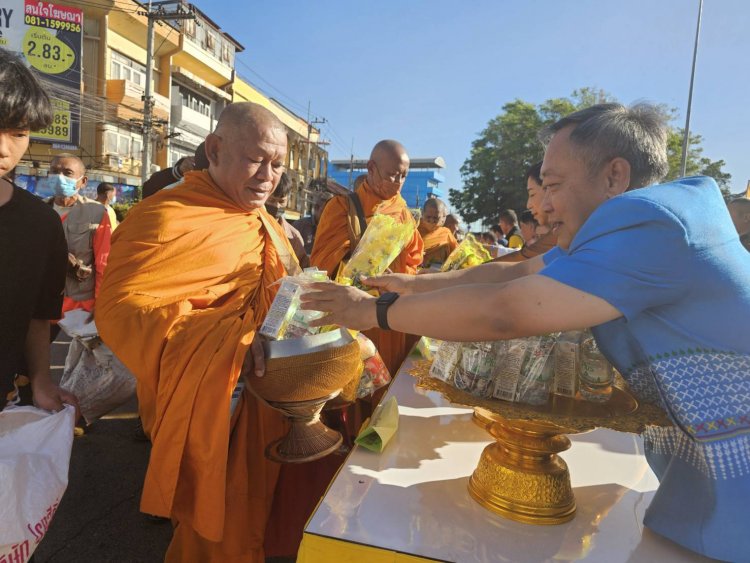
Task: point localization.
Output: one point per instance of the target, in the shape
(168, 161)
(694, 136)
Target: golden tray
(520, 476)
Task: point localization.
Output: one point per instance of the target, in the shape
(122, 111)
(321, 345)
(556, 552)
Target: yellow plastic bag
(466, 255)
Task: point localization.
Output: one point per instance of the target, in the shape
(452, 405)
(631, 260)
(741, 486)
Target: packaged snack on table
(383, 240)
(466, 255)
(375, 374)
(477, 367)
(567, 363)
(537, 374)
(446, 361)
(285, 319)
(509, 369)
(596, 375)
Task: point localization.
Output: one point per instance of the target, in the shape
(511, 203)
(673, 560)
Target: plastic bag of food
(383, 240)
(285, 319)
(446, 361)
(375, 374)
(567, 363)
(537, 374)
(466, 255)
(477, 366)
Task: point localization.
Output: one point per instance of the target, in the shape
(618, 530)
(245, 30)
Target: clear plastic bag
(477, 366)
(466, 255)
(383, 240)
(446, 361)
(285, 319)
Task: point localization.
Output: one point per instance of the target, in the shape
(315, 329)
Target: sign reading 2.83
(49, 36)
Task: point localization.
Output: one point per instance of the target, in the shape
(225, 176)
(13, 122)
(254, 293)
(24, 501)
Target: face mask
(62, 185)
(387, 186)
(113, 200)
(274, 211)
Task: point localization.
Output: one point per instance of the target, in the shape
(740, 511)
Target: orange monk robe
(438, 244)
(187, 284)
(332, 244)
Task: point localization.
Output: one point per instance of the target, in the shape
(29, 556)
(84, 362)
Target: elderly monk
(189, 281)
(439, 242)
(386, 172)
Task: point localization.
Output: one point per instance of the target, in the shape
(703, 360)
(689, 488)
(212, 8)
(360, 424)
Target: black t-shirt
(33, 264)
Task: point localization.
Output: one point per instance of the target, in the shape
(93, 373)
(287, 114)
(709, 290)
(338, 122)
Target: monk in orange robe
(439, 242)
(386, 172)
(188, 283)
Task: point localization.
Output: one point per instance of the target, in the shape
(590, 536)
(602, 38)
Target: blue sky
(432, 73)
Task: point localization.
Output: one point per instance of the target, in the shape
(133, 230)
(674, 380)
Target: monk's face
(432, 218)
(386, 174)
(247, 164)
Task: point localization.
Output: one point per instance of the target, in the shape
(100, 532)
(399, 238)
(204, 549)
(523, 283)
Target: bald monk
(386, 172)
(439, 242)
(190, 279)
(546, 241)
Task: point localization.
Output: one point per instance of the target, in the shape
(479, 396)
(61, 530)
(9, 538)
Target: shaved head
(387, 168)
(240, 116)
(246, 154)
(388, 148)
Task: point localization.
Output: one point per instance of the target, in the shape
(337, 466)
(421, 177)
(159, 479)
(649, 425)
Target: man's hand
(256, 358)
(187, 164)
(403, 284)
(346, 306)
(51, 397)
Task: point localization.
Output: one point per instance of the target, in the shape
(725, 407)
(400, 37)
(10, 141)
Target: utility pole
(307, 160)
(686, 138)
(351, 166)
(157, 11)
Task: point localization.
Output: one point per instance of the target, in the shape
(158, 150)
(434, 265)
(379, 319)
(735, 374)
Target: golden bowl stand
(308, 438)
(520, 476)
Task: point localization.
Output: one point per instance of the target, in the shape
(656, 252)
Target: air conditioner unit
(114, 161)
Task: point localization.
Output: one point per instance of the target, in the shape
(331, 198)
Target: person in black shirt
(33, 252)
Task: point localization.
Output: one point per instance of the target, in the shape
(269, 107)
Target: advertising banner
(50, 38)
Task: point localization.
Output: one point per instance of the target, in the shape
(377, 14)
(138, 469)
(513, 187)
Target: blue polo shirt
(669, 259)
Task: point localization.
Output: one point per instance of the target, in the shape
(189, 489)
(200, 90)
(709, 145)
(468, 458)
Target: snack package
(375, 374)
(285, 319)
(446, 361)
(476, 369)
(383, 240)
(509, 366)
(537, 374)
(467, 254)
(567, 363)
(596, 375)
(427, 347)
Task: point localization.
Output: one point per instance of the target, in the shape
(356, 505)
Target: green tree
(494, 174)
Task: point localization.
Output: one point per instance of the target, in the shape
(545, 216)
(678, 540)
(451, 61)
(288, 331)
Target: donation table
(410, 502)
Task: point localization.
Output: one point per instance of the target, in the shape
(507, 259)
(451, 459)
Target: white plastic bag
(96, 377)
(92, 372)
(34, 459)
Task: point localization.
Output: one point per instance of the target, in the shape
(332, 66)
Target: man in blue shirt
(660, 274)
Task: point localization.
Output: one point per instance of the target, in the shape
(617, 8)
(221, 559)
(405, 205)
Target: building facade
(193, 79)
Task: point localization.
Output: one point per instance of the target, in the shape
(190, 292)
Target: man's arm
(47, 395)
(492, 272)
(489, 311)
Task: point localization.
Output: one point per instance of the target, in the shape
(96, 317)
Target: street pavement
(98, 519)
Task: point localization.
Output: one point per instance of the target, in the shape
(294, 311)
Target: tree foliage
(494, 174)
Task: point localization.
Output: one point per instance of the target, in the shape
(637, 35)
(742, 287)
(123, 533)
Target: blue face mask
(62, 185)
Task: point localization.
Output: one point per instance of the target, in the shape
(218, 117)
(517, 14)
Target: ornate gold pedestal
(520, 476)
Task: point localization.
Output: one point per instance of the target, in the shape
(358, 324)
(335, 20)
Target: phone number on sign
(59, 129)
(51, 24)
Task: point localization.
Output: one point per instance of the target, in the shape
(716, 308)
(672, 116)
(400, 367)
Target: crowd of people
(181, 286)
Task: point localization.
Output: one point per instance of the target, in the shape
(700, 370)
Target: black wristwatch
(382, 305)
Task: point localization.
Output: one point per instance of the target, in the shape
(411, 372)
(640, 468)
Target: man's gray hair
(606, 131)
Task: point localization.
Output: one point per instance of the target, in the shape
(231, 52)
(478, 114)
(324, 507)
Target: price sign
(60, 129)
(49, 36)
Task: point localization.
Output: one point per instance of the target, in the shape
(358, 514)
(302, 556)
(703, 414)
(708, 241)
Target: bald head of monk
(387, 168)
(434, 212)
(246, 154)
